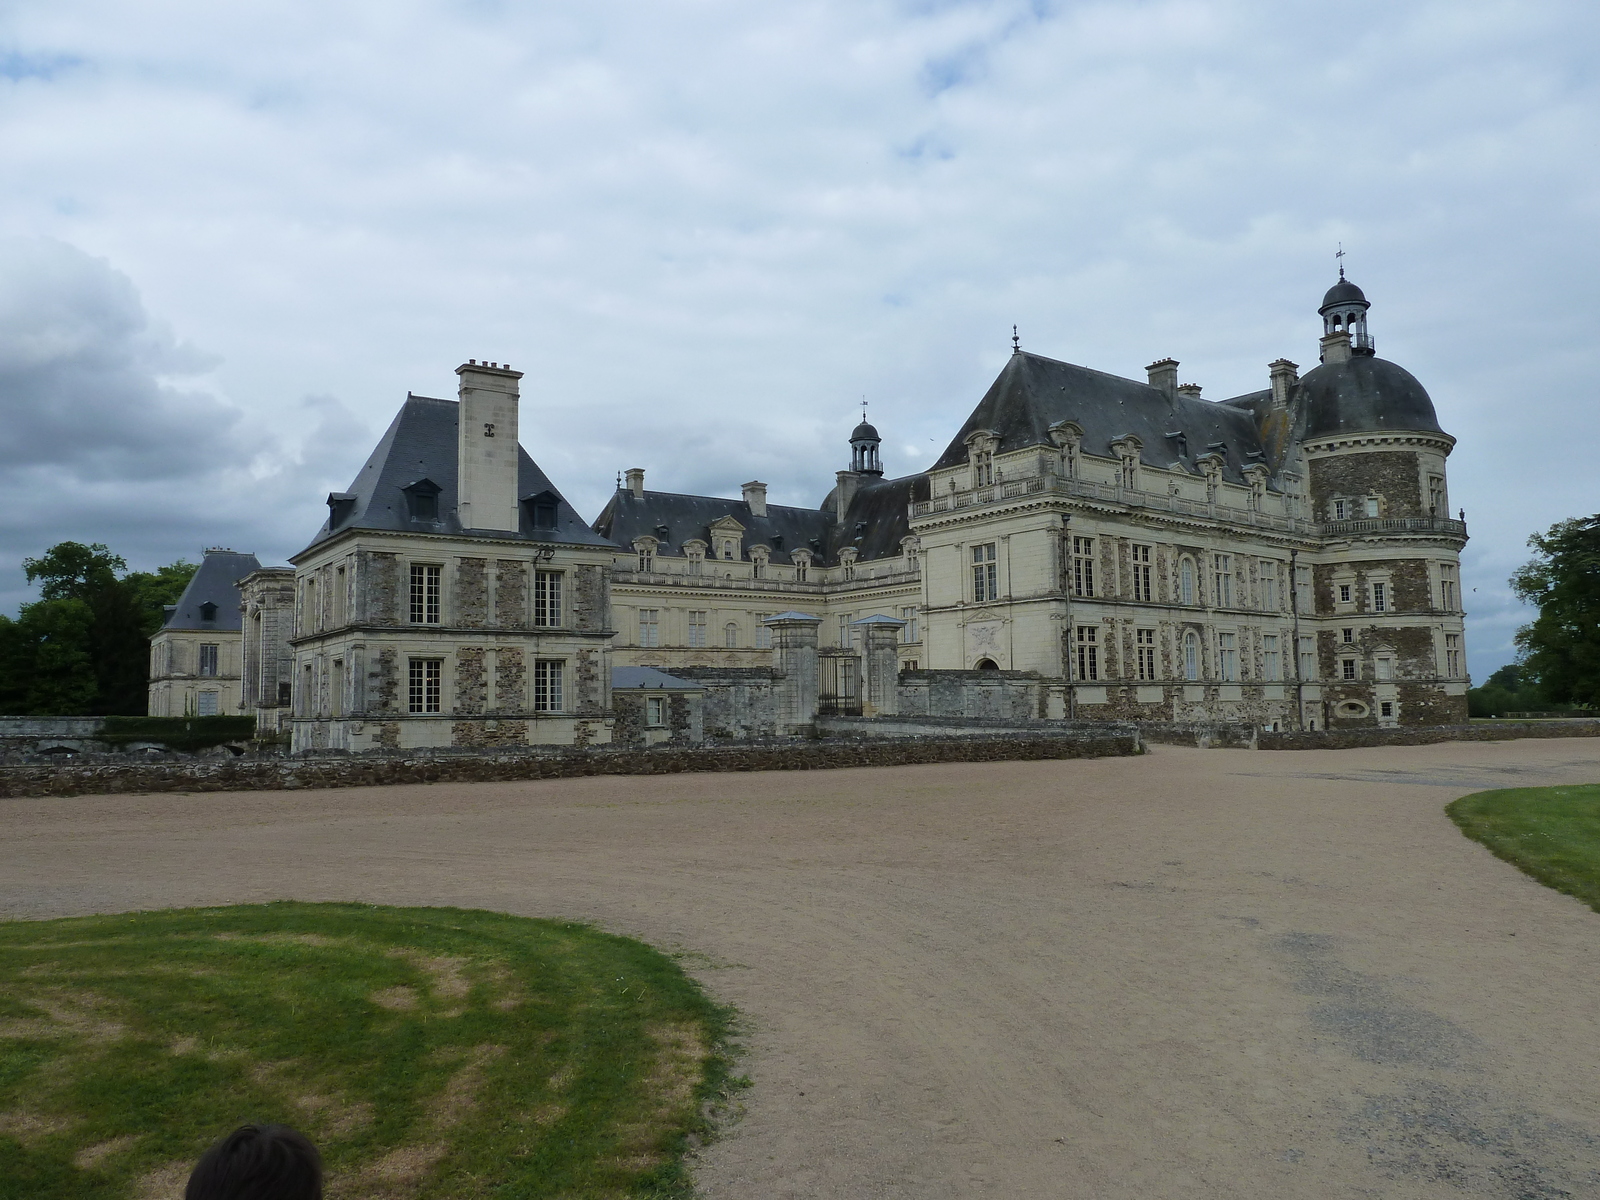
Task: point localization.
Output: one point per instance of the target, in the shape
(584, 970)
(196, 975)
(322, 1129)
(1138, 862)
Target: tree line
(83, 648)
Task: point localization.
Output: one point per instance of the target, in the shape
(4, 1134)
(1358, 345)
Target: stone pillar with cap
(881, 695)
(794, 653)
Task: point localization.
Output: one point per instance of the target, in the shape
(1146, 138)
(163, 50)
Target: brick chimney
(486, 447)
(755, 495)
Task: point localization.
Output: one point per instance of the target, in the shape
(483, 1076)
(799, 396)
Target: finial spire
(1339, 255)
(1016, 342)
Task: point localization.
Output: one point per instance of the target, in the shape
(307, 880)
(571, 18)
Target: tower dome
(864, 442)
(1344, 310)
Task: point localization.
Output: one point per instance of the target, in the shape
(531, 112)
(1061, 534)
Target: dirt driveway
(1196, 973)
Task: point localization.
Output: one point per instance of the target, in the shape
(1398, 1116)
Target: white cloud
(706, 228)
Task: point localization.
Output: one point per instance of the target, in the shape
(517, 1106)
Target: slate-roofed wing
(673, 519)
(215, 583)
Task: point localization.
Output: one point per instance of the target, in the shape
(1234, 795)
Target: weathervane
(1016, 342)
(1339, 254)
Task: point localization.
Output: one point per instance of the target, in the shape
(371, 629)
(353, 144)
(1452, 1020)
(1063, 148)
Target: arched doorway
(986, 664)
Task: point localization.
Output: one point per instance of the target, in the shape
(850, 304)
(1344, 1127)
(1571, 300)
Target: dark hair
(258, 1162)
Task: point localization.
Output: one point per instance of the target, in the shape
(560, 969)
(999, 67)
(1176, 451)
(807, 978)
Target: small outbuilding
(652, 707)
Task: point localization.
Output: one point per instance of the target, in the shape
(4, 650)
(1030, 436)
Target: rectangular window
(207, 704)
(649, 627)
(1143, 574)
(845, 639)
(1347, 636)
(647, 560)
(1228, 657)
(547, 686)
(427, 680)
(697, 628)
(424, 594)
(1308, 658)
(1223, 573)
(1386, 708)
(1347, 668)
(985, 573)
(1341, 510)
(1372, 506)
(1144, 642)
(1452, 655)
(1269, 586)
(1303, 588)
(763, 632)
(802, 570)
(1447, 587)
(1344, 593)
(547, 598)
(909, 631)
(1383, 668)
(655, 710)
(1380, 597)
(1271, 657)
(982, 468)
(910, 664)
(1082, 566)
(1436, 504)
(208, 660)
(1088, 652)
(730, 635)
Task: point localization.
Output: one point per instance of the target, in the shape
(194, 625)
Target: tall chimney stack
(755, 495)
(1164, 376)
(1336, 347)
(1284, 375)
(635, 478)
(486, 447)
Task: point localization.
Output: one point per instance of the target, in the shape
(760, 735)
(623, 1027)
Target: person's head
(258, 1162)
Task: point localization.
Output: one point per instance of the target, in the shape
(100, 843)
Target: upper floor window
(758, 563)
(697, 628)
(649, 627)
(1224, 580)
(1082, 566)
(1347, 668)
(1436, 501)
(696, 555)
(425, 594)
(845, 640)
(426, 685)
(1380, 597)
(647, 559)
(1341, 510)
(1344, 593)
(1308, 658)
(1228, 657)
(909, 631)
(1088, 653)
(208, 611)
(1452, 655)
(1143, 574)
(208, 659)
(1186, 581)
(1372, 506)
(763, 632)
(1271, 657)
(1447, 587)
(985, 573)
(548, 677)
(1269, 586)
(802, 565)
(982, 468)
(547, 598)
(1129, 474)
(730, 635)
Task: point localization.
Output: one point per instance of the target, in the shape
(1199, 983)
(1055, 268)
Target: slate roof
(629, 678)
(673, 519)
(1362, 395)
(879, 517)
(421, 444)
(1032, 393)
(215, 582)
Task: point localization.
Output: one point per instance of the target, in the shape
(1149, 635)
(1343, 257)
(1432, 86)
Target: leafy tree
(1561, 647)
(93, 623)
(1510, 689)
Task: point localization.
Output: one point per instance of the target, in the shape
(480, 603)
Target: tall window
(1088, 652)
(1341, 510)
(763, 632)
(1224, 580)
(1303, 588)
(547, 686)
(1228, 657)
(758, 564)
(1380, 597)
(206, 704)
(649, 627)
(547, 597)
(1308, 658)
(1082, 566)
(426, 690)
(730, 635)
(1271, 657)
(1186, 581)
(1447, 587)
(1191, 655)
(1130, 472)
(1144, 642)
(655, 710)
(1143, 573)
(1269, 586)
(909, 631)
(1371, 504)
(844, 629)
(802, 568)
(424, 594)
(1347, 668)
(1383, 668)
(1344, 593)
(1452, 655)
(985, 573)
(697, 559)
(982, 468)
(1436, 504)
(208, 659)
(697, 628)
(647, 559)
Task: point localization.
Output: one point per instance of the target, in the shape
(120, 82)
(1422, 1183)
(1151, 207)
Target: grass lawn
(1551, 833)
(428, 1052)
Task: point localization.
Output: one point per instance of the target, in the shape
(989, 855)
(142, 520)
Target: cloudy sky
(232, 237)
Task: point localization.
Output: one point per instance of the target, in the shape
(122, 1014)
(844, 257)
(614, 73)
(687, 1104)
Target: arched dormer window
(695, 551)
(802, 565)
(1211, 465)
(1127, 451)
(847, 560)
(645, 549)
(1067, 437)
(758, 561)
(981, 447)
(911, 548)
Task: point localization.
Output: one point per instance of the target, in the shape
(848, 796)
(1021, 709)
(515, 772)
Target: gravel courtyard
(1192, 974)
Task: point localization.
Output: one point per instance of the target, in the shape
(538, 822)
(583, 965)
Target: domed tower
(1385, 601)
(864, 442)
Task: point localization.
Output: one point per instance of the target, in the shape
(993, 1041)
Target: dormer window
(645, 549)
(340, 506)
(422, 500)
(802, 565)
(1127, 451)
(758, 561)
(208, 611)
(695, 552)
(983, 468)
(541, 510)
(1067, 437)
(847, 560)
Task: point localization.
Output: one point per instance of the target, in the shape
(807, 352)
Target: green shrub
(187, 734)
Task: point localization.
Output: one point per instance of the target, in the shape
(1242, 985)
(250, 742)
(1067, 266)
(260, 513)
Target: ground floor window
(1271, 660)
(206, 704)
(1228, 656)
(1347, 668)
(1386, 708)
(426, 690)
(909, 665)
(1088, 652)
(547, 680)
(1191, 655)
(763, 632)
(1145, 644)
(1452, 655)
(655, 710)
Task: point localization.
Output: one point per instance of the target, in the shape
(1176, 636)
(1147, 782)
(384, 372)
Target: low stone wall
(913, 726)
(250, 774)
(1424, 735)
(1203, 736)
